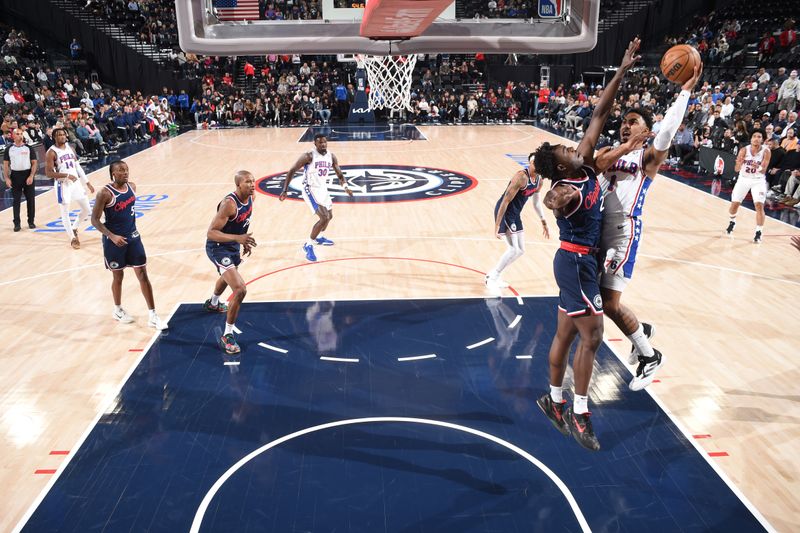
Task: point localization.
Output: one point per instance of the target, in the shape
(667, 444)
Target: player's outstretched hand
(545, 230)
(796, 242)
(635, 142)
(630, 57)
(691, 82)
(348, 191)
(282, 196)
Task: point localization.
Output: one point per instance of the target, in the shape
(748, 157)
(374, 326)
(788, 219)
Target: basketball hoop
(389, 80)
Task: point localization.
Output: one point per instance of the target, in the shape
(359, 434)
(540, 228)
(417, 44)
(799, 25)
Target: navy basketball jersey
(518, 202)
(239, 223)
(120, 213)
(581, 225)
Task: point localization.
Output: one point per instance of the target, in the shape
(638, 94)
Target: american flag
(237, 9)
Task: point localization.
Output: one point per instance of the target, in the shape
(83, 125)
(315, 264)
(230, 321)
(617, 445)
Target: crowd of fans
(37, 98)
(285, 90)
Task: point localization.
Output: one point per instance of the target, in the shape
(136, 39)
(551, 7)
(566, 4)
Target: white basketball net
(389, 80)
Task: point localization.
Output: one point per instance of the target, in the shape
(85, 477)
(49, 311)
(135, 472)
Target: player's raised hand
(630, 57)
(636, 141)
(691, 82)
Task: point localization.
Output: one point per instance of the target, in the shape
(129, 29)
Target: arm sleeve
(672, 120)
(81, 173)
(537, 204)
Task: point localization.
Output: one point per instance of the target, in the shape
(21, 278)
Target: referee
(19, 168)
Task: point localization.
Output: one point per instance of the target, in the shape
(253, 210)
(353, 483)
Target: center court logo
(380, 183)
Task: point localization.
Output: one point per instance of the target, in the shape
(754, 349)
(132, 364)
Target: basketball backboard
(556, 26)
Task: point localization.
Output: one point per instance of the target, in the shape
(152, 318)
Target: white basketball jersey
(625, 186)
(749, 169)
(317, 173)
(66, 160)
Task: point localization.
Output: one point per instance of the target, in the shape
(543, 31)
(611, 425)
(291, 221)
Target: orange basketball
(678, 63)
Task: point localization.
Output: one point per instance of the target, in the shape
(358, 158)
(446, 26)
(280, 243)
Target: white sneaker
(155, 322)
(649, 332)
(646, 371)
(122, 316)
(500, 283)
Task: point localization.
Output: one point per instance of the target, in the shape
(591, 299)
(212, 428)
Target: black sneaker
(757, 237)
(649, 332)
(17, 227)
(554, 411)
(31, 225)
(581, 428)
(731, 225)
(646, 371)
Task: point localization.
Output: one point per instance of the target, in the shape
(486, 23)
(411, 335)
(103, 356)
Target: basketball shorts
(756, 186)
(316, 196)
(576, 276)
(130, 255)
(68, 191)
(619, 244)
(225, 256)
(511, 221)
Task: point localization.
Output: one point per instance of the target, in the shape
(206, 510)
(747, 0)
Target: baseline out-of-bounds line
(688, 435)
(104, 409)
(201, 511)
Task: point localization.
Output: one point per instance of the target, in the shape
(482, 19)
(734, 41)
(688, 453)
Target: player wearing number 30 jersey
(317, 165)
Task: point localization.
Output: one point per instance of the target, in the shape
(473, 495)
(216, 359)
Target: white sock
(152, 314)
(641, 342)
(320, 236)
(215, 299)
(759, 228)
(228, 328)
(117, 308)
(733, 218)
(311, 242)
(580, 405)
(556, 394)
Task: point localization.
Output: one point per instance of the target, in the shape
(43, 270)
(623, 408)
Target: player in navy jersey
(576, 200)
(508, 219)
(226, 235)
(122, 244)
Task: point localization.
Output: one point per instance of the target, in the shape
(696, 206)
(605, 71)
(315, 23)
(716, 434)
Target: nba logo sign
(551, 8)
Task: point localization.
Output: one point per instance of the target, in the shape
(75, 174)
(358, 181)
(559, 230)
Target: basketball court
(383, 388)
(107, 425)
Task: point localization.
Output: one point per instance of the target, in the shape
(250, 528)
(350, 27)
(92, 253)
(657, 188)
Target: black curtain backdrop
(116, 63)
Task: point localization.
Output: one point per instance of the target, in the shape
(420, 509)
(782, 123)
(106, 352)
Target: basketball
(678, 63)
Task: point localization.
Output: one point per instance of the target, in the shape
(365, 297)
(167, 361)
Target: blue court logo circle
(379, 184)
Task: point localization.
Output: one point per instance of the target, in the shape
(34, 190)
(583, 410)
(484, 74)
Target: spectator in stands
(789, 92)
(788, 37)
(766, 47)
(75, 49)
(791, 123)
(682, 143)
(789, 143)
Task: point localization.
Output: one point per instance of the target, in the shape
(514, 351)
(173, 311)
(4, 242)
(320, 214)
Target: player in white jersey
(751, 164)
(63, 167)
(317, 167)
(625, 185)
